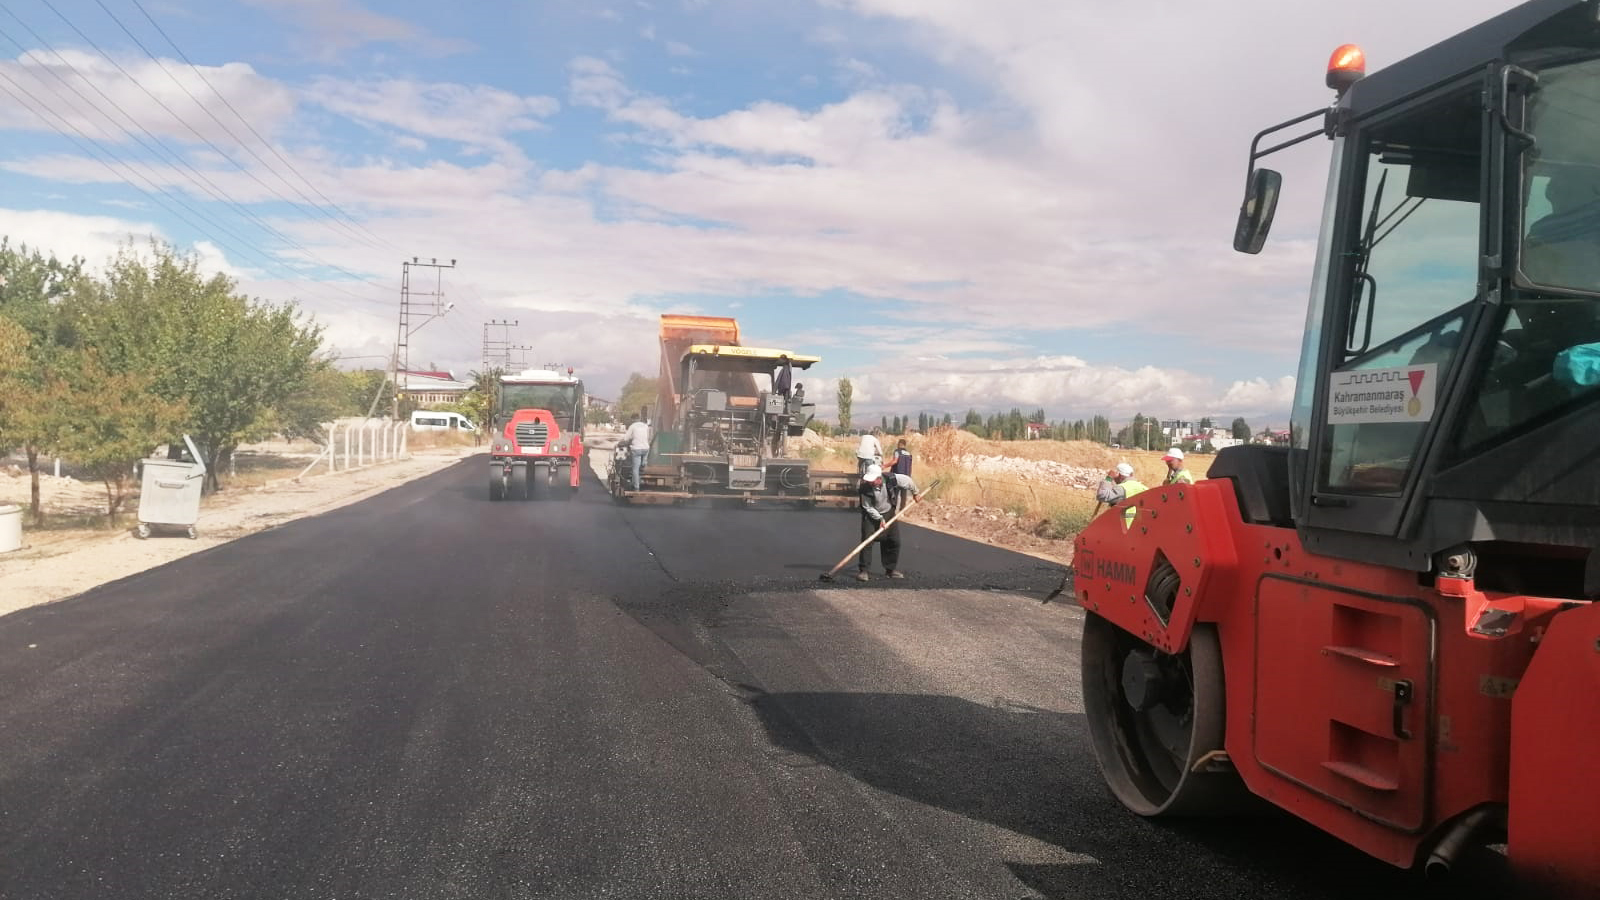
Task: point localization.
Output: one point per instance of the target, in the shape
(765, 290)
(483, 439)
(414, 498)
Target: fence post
(405, 440)
(333, 447)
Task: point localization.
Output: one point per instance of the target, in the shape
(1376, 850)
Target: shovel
(828, 575)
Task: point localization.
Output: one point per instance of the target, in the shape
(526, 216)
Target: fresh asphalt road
(430, 695)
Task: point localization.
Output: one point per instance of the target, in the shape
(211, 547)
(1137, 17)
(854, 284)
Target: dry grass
(830, 459)
(1043, 509)
(434, 440)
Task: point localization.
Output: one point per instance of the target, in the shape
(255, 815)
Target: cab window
(1412, 257)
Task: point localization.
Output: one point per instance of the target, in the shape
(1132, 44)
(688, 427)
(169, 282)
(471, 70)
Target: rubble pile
(1041, 470)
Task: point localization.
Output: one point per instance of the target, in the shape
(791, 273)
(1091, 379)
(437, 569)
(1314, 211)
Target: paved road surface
(429, 695)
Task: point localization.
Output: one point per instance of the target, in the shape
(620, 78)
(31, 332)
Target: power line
(268, 144)
(42, 111)
(205, 184)
(230, 132)
(177, 118)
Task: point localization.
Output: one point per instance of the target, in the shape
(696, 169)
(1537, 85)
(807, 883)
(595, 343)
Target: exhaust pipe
(1454, 841)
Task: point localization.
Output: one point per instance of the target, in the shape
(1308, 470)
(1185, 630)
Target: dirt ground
(990, 525)
(75, 551)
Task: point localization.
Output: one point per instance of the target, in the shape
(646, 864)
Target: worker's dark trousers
(889, 541)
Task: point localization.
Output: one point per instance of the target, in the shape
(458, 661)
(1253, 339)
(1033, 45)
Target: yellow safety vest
(1129, 488)
(1180, 475)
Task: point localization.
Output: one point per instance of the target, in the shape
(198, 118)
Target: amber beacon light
(1345, 67)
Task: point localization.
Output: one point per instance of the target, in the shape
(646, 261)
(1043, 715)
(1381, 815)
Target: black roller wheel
(1155, 718)
(563, 488)
(497, 488)
(518, 487)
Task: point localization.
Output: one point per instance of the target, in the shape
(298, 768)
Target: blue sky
(955, 203)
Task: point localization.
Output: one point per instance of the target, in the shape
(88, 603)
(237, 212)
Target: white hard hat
(1174, 453)
(873, 473)
(1125, 470)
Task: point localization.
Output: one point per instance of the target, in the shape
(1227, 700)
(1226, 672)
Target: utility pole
(430, 311)
(497, 351)
(522, 351)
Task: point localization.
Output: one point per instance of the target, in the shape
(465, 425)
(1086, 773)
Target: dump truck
(1389, 628)
(721, 429)
(536, 439)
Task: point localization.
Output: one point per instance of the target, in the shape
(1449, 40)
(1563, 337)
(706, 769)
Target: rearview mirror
(1255, 214)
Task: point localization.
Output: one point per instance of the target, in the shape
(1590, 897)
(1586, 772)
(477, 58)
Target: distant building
(428, 388)
(1037, 430)
(1175, 429)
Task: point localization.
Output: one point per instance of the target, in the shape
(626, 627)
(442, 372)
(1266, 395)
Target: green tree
(14, 345)
(115, 420)
(370, 390)
(232, 361)
(1144, 432)
(637, 393)
(1205, 424)
(845, 393)
(478, 402)
(31, 290)
(325, 396)
(1241, 430)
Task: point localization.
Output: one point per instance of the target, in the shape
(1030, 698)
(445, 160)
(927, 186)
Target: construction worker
(1176, 472)
(783, 377)
(880, 498)
(870, 451)
(1119, 485)
(637, 440)
(901, 464)
(902, 458)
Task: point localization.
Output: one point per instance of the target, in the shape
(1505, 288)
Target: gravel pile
(1046, 471)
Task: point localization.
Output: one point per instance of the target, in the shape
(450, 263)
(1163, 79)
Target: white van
(433, 420)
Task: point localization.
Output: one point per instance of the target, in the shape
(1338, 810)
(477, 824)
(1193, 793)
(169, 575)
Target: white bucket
(10, 527)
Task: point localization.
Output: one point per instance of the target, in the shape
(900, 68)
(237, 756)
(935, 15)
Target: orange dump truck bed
(678, 334)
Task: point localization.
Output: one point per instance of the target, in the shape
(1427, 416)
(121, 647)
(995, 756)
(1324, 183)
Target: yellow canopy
(746, 359)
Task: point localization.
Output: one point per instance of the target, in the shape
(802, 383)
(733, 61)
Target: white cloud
(1258, 395)
(470, 114)
(94, 238)
(1065, 387)
(678, 48)
(91, 96)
